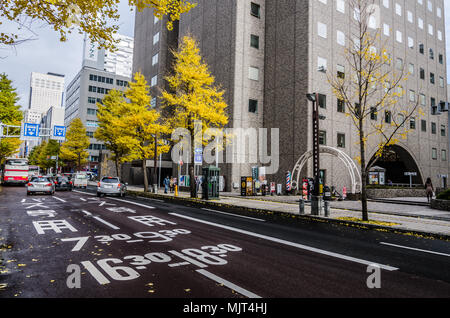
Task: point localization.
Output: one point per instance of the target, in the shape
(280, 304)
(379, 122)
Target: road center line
(241, 216)
(234, 287)
(414, 249)
(300, 246)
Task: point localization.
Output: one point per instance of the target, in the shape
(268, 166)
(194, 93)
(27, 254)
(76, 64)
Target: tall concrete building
(267, 55)
(98, 75)
(46, 90)
(118, 62)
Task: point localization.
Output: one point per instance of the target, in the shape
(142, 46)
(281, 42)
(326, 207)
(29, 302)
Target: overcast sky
(47, 54)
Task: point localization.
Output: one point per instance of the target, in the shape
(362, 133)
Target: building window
(386, 29)
(399, 36)
(412, 123)
(322, 137)
(398, 9)
(153, 102)
(432, 78)
(421, 48)
(154, 81)
(399, 64)
(92, 100)
(322, 101)
(340, 71)
(441, 59)
(254, 41)
(321, 64)
(341, 140)
(155, 59)
(156, 38)
(255, 10)
(422, 73)
(412, 95)
(433, 128)
(431, 54)
(253, 73)
(444, 155)
(373, 113)
(423, 125)
(434, 153)
(340, 106)
(441, 82)
(252, 105)
(322, 29)
(91, 111)
(90, 134)
(387, 117)
(340, 6)
(340, 37)
(443, 130)
(420, 23)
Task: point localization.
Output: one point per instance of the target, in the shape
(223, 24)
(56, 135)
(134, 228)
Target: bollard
(327, 208)
(176, 190)
(302, 206)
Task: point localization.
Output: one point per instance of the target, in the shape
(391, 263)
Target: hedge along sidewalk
(287, 211)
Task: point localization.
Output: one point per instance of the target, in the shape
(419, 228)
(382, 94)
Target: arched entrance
(397, 160)
(355, 175)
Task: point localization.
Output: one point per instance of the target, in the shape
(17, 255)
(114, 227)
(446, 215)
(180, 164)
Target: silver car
(111, 185)
(40, 184)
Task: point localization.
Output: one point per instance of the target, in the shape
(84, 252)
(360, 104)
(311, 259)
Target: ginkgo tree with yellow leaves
(193, 98)
(97, 18)
(372, 91)
(143, 129)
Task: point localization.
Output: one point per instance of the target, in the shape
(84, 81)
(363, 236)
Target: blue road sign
(59, 131)
(198, 156)
(31, 130)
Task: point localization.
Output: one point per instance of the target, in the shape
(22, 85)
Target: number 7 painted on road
(81, 241)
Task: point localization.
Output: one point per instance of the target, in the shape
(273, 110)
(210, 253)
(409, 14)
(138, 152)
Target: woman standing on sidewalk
(429, 189)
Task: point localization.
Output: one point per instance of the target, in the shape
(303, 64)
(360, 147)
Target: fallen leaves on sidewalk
(352, 219)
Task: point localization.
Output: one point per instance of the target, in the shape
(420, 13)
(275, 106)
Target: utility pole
(316, 199)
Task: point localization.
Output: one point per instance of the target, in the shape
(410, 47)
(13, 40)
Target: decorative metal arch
(355, 175)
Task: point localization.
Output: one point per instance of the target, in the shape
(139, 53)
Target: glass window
(444, 155)
(322, 29)
(254, 41)
(443, 130)
(322, 137)
(434, 153)
(322, 101)
(252, 105)
(341, 140)
(340, 106)
(340, 6)
(373, 113)
(340, 37)
(433, 128)
(255, 10)
(253, 73)
(387, 117)
(423, 125)
(412, 123)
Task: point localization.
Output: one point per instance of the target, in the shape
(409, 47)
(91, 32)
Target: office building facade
(267, 55)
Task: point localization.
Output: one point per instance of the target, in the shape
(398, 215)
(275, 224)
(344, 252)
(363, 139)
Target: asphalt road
(74, 244)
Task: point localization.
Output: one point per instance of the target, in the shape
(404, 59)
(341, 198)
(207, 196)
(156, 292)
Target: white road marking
(241, 216)
(135, 203)
(106, 223)
(99, 277)
(138, 204)
(234, 287)
(300, 246)
(59, 199)
(415, 249)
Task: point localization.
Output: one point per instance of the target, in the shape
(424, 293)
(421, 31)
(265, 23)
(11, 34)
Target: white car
(111, 185)
(40, 184)
(80, 180)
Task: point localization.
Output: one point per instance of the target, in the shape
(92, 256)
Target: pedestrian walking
(171, 185)
(166, 184)
(429, 189)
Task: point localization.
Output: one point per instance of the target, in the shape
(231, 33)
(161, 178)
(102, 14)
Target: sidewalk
(419, 219)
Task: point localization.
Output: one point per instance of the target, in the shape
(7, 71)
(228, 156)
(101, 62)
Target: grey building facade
(87, 89)
(267, 55)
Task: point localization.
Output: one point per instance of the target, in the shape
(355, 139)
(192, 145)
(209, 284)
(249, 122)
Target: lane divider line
(229, 284)
(241, 216)
(300, 246)
(415, 249)
(64, 201)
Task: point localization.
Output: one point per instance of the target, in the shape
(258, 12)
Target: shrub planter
(395, 193)
(440, 204)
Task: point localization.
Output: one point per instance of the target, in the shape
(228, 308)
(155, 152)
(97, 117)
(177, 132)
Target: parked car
(111, 185)
(40, 184)
(63, 183)
(80, 180)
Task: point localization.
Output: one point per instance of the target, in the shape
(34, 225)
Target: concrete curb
(284, 216)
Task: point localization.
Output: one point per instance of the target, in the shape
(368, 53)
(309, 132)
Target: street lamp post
(316, 199)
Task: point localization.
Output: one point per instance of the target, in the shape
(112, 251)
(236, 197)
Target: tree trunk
(365, 215)
(144, 168)
(116, 162)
